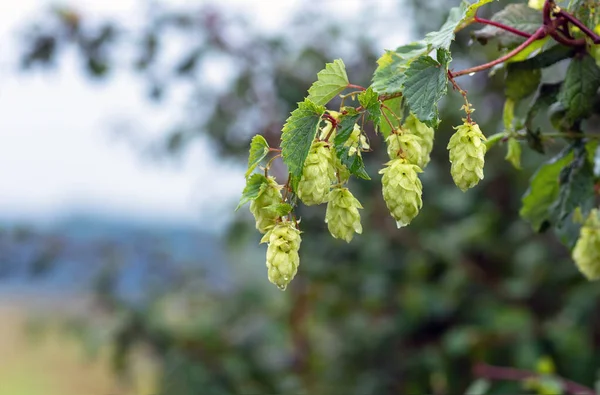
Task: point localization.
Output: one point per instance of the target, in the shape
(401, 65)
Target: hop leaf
(405, 146)
(513, 153)
(426, 135)
(586, 253)
(261, 207)
(402, 190)
(282, 253)
(317, 175)
(342, 216)
(467, 152)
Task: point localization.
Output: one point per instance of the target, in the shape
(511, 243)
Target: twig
(539, 34)
(502, 26)
(511, 374)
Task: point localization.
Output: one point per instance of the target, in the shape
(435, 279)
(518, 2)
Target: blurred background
(124, 132)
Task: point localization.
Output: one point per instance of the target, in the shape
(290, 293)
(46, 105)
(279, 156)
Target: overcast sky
(56, 154)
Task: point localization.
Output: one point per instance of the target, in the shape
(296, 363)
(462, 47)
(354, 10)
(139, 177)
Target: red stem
(502, 26)
(564, 14)
(539, 34)
(362, 88)
(511, 374)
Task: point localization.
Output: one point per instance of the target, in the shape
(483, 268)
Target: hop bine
(282, 253)
(342, 217)
(467, 152)
(260, 207)
(402, 190)
(317, 175)
(586, 253)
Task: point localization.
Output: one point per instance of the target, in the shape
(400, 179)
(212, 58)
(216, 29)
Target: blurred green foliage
(395, 311)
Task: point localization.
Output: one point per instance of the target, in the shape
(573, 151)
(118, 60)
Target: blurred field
(51, 364)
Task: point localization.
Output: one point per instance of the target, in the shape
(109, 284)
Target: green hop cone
(342, 216)
(586, 253)
(282, 253)
(426, 135)
(467, 152)
(405, 146)
(270, 195)
(317, 175)
(402, 190)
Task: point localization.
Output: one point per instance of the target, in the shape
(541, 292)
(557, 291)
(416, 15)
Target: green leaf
(280, 208)
(354, 163)
(543, 190)
(478, 387)
(576, 187)
(459, 17)
(426, 83)
(297, 136)
(444, 37)
(547, 94)
(259, 148)
(389, 75)
(369, 100)
(520, 83)
(395, 105)
(254, 187)
(518, 16)
(346, 126)
(544, 59)
(331, 81)
(580, 86)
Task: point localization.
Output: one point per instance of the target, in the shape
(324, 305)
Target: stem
(362, 88)
(387, 119)
(463, 92)
(333, 125)
(595, 38)
(390, 96)
(391, 112)
(510, 374)
(539, 34)
(502, 26)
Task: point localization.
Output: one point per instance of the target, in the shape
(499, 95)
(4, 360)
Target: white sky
(56, 154)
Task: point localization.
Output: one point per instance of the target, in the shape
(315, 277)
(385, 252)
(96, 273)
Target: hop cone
(586, 253)
(317, 175)
(402, 190)
(467, 152)
(406, 146)
(269, 196)
(426, 135)
(282, 253)
(342, 215)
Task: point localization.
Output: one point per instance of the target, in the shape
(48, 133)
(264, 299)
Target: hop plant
(426, 135)
(342, 216)
(405, 146)
(586, 253)
(260, 207)
(467, 152)
(317, 175)
(282, 253)
(402, 190)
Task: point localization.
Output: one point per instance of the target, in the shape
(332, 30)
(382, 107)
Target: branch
(595, 38)
(502, 26)
(539, 34)
(511, 374)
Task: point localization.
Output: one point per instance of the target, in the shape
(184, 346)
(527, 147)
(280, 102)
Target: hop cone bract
(402, 190)
(317, 175)
(282, 253)
(426, 135)
(270, 195)
(342, 216)
(586, 253)
(467, 155)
